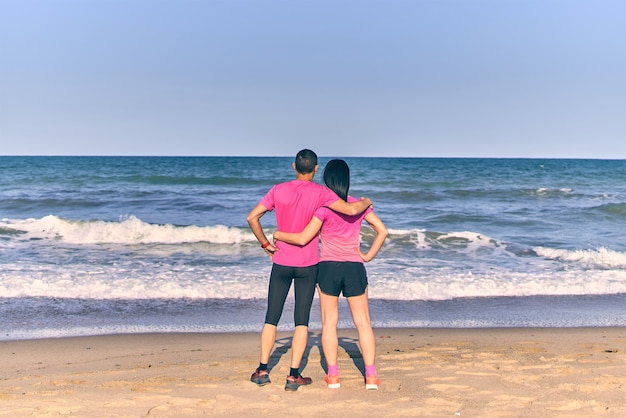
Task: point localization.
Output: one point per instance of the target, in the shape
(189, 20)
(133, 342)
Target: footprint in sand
(446, 387)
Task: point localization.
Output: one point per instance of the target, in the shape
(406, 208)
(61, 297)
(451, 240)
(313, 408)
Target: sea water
(93, 245)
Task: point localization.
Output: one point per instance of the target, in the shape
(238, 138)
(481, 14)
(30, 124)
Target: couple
(302, 209)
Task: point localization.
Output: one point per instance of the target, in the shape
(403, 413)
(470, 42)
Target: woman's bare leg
(329, 306)
(361, 317)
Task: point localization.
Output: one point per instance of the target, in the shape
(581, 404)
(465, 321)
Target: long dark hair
(337, 177)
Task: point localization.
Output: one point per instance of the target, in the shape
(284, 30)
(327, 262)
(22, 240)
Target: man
(295, 202)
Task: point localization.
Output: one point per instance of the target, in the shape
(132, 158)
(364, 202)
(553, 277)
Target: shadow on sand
(348, 344)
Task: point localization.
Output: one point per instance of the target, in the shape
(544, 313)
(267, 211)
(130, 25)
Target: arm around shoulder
(353, 208)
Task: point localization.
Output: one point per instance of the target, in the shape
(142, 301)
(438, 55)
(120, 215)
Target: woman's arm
(381, 234)
(300, 238)
(351, 209)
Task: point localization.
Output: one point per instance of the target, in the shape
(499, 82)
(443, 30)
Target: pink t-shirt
(341, 234)
(295, 203)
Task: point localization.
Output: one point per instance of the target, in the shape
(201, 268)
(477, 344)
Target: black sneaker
(293, 383)
(260, 377)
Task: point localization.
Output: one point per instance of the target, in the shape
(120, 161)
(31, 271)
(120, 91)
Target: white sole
(371, 387)
(334, 385)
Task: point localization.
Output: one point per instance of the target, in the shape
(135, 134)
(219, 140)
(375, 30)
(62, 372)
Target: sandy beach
(504, 372)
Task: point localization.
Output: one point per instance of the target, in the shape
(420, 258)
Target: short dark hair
(337, 177)
(306, 160)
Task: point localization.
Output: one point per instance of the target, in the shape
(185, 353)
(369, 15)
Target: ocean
(99, 245)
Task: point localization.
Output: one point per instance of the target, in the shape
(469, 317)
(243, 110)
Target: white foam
(601, 257)
(415, 284)
(472, 240)
(124, 282)
(130, 230)
(544, 191)
(208, 281)
(469, 241)
(155, 272)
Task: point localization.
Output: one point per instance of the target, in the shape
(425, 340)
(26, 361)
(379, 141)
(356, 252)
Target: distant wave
(391, 192)
(188, 180)
(618, 209)
(469, 240)
(423, 239)
(601, 257)
(133, 231)
(130, 230)
(546, 191)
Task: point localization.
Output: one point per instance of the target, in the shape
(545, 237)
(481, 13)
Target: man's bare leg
(298, 345)
(268, 338)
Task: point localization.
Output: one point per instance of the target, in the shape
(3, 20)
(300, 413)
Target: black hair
(337, 177)
(306, 160)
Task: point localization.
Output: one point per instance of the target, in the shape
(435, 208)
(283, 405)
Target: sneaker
(260, 377)
(332, 381)
(371, 383)
(293, 383)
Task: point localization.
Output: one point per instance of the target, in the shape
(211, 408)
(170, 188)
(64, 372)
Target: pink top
(295, 202)
(341, 234)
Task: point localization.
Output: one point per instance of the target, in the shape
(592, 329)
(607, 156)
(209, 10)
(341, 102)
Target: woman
(341, 270)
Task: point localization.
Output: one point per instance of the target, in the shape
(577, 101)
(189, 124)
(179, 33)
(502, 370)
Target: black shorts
(337, 277)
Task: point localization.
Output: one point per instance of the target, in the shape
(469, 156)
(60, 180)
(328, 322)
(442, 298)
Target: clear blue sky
(419, 78)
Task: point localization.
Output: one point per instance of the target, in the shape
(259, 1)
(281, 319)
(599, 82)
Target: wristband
(265, 245)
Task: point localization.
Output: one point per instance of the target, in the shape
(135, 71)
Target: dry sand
(509, 372)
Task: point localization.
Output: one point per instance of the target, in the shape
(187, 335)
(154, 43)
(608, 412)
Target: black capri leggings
(304, 279)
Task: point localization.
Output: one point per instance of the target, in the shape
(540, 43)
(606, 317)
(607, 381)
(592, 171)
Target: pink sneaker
(372, 382)
(332, 381)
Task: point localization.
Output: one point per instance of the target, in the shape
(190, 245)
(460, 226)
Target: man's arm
(354, 208)
(254, 222)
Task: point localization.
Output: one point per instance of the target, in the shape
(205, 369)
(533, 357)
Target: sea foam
(601, 257)
(129, 230)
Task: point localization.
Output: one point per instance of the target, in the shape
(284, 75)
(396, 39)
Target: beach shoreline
(499, 372)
